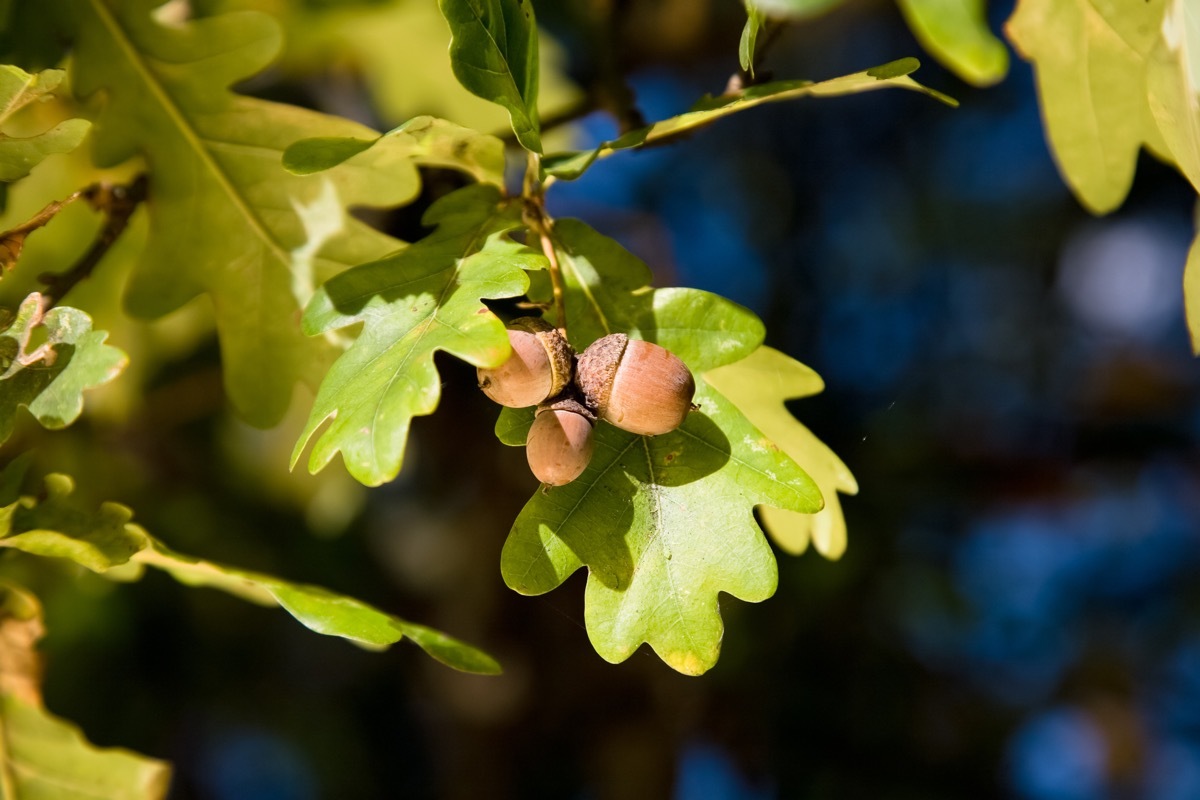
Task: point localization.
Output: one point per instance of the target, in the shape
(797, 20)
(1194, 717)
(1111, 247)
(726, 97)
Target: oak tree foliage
(198, 190)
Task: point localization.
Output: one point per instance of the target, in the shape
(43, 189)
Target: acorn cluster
(635, 385)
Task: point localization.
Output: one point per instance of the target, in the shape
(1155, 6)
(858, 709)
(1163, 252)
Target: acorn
(560, 445)
(638, 386)
(539, 367)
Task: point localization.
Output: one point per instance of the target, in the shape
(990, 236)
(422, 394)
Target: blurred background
(1010, 379)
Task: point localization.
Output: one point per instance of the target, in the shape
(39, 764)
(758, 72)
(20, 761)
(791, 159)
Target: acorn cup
(635, 385)
(560, 445)
(539, 368)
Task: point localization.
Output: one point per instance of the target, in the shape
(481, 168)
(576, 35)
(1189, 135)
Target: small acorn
(638, 386)
(539, 368)
(560, 445)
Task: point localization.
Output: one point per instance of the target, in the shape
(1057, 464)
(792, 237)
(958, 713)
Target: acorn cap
(638, 386)
(539, 367)
(597, 368)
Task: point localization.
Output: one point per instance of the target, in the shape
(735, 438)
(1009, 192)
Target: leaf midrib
(184, 128)
(658, 536)
(14, 105)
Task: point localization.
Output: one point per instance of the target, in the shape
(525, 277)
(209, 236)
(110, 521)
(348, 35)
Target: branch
(118, 204)
(540, 223)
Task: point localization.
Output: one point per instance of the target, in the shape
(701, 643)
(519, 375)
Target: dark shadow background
(1009, 378)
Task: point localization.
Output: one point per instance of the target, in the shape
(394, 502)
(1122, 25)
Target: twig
(118, 204)
(540, 223)
(13, 241)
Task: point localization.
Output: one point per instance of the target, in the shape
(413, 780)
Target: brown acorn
(638, 386)
(539, 368)
(560, 445)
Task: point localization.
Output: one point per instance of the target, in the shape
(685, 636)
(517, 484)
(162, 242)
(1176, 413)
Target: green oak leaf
(222, 209)
(956, 33)
(42, 756)
(423, 140)
(606, 290)
(50, 379)
(494, 53)
(570, 165)
(18, 155)
(102, 540)
(664, 524)
(425, 298)
(758, 385)
(755, 20)
(1090, 57)
(47, 757)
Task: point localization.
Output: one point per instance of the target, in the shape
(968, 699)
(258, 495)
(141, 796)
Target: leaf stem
(540, 223)
(117, 202)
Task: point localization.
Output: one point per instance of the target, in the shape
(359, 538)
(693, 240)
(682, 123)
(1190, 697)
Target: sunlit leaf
(221, 206)
(571, 165)
(101, 540)
(749, 40)
(18, 155)
(49, 379)
(758, 385)
(956, 33)
(1113, 77)
(422, 299)
(663, 523)
(1090, 58)
(494, 54)
(607, 290)
(423, 140)
(41, 756)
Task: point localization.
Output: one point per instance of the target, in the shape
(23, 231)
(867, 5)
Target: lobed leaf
(664, 523)
(223, 220)
(423, 140)
(1111, 78)
(956, 33)
(758, 385)
(570, 165)
(425, 298)
(18, 89)
(1090, 59)
(51, 378)
(494, 53)
(101, 540)
(42, 756)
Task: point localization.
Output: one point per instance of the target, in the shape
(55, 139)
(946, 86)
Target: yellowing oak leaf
(758, 385)
(1113, 76)
(42, 756)
(223, 219)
